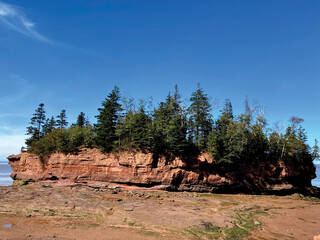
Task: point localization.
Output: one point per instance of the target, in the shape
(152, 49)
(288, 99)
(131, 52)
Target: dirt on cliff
(49, 211)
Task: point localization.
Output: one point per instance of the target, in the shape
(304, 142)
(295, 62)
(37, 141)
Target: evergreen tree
(161, 121)
(125, 125)
(200, 117)
(274, 147)
(257, 142)
(62, 120)
(107, 121)
(124, 130)
(141, 134)
(81, 120)
(289, 139)
(171, 125)
(315, 150)
(49, 126)
(218, 142)
(37, 124)
(177, 126)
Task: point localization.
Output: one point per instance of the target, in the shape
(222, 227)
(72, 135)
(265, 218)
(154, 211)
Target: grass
(235, 233)
(49, 213)
(258, 211)
(303, 197)
(149, 233)
(248, 219)
(209, 231)
(245, 221)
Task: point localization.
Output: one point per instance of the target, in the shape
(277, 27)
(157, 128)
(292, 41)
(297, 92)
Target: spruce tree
(62, 120)
(177, 140)
(81, 120)
(171, 125)
(107, 120)
(219, 142)
(200, 118)
(315, 150)
(49, 126)
(37, 124)
(141, 134)
(161, 123)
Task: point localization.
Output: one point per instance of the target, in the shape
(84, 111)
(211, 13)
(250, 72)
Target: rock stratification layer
(197, 173)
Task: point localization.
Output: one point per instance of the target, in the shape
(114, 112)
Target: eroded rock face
(199, 173)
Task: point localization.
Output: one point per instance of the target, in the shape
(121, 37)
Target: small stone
(128, 209)
(257, 223)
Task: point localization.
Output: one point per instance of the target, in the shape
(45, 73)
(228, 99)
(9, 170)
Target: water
(9, 225)
(316, 181)
(5, 171)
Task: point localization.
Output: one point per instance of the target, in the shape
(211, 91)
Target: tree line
(172, 128)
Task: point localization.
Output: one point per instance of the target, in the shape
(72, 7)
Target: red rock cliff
(198, 173)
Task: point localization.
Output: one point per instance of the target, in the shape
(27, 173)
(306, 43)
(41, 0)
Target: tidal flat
(43, 211)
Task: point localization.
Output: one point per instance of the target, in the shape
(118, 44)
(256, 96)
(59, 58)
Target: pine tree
(171, 125)
(49, 126)
(200, 117)
(177, 141)
(315, 150)
(141, 134)
(107, 121)
(37, 124)
(62, 120)
(81, 120)
(125, 125)
(288, 141)
(218, 142)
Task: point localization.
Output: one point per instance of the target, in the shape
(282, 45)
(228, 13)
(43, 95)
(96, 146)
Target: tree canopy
(175, 128)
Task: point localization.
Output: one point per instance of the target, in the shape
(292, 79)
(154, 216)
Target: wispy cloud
(13, 18)
(21, 89)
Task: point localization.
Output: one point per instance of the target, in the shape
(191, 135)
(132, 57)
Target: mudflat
(42, 211)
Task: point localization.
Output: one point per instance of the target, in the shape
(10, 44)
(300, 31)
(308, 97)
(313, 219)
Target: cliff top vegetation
(174, 128)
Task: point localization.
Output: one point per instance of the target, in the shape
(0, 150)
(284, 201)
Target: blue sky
(70, 54)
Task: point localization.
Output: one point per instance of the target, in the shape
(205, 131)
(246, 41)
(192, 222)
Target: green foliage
(141, 129)
(172, 128)
(219, 140)
(62, 120)
(200, 118)
(293, 143)
(81, 120)
(315, 150)
(108, 119)
(134, 130)
(37, 124)
(245, 139)
(56, 141)
(79, 137)
(170, 125)
(64, 140)
(49, 126)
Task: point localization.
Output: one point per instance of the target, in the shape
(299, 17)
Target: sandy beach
(40, 211)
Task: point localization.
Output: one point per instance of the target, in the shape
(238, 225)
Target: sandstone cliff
(199, 173)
